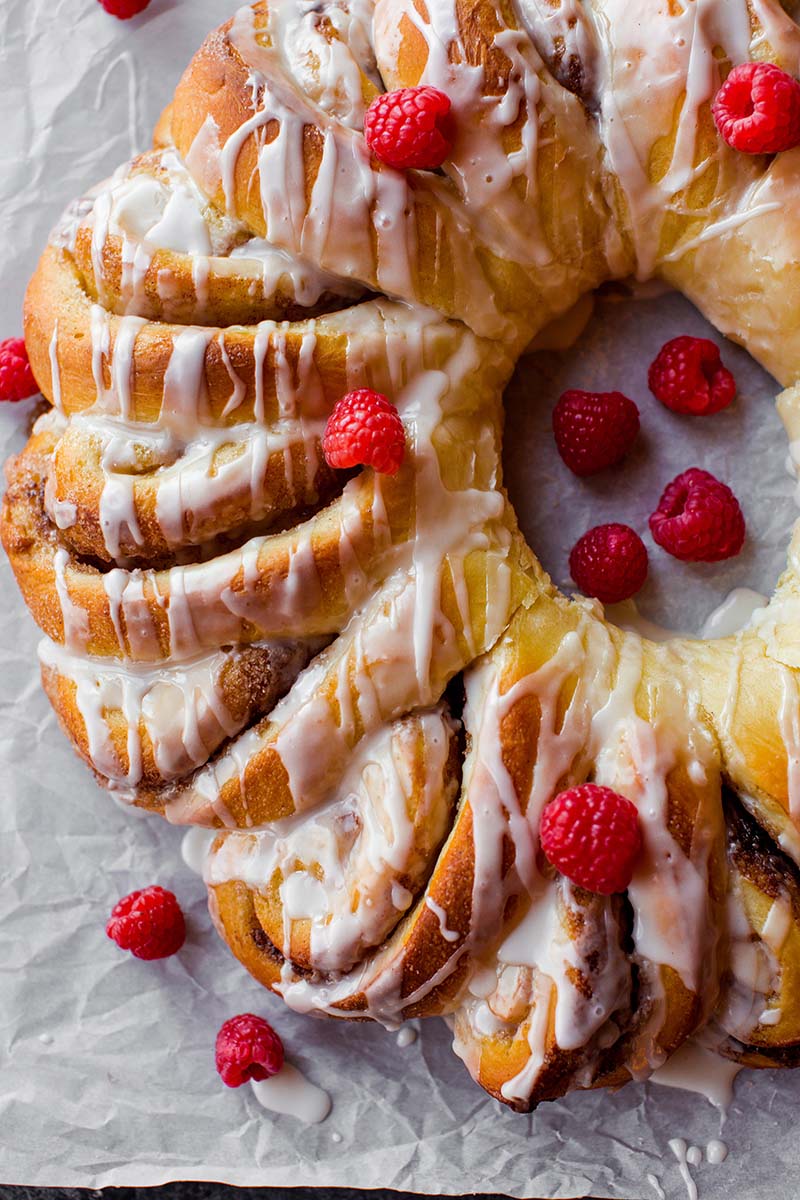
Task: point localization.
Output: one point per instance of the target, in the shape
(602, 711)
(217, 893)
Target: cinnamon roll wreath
(367, 684)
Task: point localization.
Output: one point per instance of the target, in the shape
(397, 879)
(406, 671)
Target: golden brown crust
(55, 298)
(33, 547)
(249, 681)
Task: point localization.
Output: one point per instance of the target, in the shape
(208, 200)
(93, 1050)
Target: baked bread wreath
(365, 682)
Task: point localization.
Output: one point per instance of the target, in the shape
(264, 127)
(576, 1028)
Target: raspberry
(688, 376)
(698, 519)
(757, 109)
(409, 128)
(594, 430)
(149, 923)
(124, 9)
(591, 834)
(247, 1048)
(609, 562)
(365, 429)
(16, 376)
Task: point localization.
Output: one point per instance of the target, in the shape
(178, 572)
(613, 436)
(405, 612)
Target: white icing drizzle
(179, 706)
(789, 718)
(634, 90)
(315, 738)
(449, 935)
(669, 891)
(656, 1186)
(638, 93)
(55, 373)
(336, 864)
(627, 616)
(345, 160)
(350, 193)
(680, 1149)
(697, 1067)
(75, 619)
(407, 1035)
(195, 845)
(734, 613)
(290, 1094)
(123, 59)
(155, 204)
(754, 969)
(716, 1152)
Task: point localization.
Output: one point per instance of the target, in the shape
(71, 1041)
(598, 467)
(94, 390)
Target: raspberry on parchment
(149, 923)
(594, 430)
(247, 1048)
(698, 519)
(16, 376)
(688, 376)
(609, 563)
(124, 9)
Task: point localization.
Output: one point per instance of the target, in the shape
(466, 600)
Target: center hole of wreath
(744, 446)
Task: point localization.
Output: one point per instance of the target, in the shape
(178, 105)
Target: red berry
(698, 519)
(16, 376)
(247, 1048)
(124, 8)
(757, 109)
(609, 562)
(409, 128)
(591, 834)
(688, 377)
(149, 923)
(364, 429)
(594, 430)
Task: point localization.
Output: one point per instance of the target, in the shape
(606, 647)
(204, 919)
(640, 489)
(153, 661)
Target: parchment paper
(106, 1064)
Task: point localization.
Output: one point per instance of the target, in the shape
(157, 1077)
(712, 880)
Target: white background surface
(106, 1064)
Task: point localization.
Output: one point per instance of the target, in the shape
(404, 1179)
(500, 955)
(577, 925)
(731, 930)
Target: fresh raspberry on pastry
(16, 377)
(149, 923)
(698, 519)
(610, 563)
(365, 430)
(409, 128)
(247, 1048)
(687, 376)
(594, 430)
(757, 109)
(591, 834)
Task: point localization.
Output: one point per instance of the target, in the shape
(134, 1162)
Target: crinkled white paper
(106, 1063)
